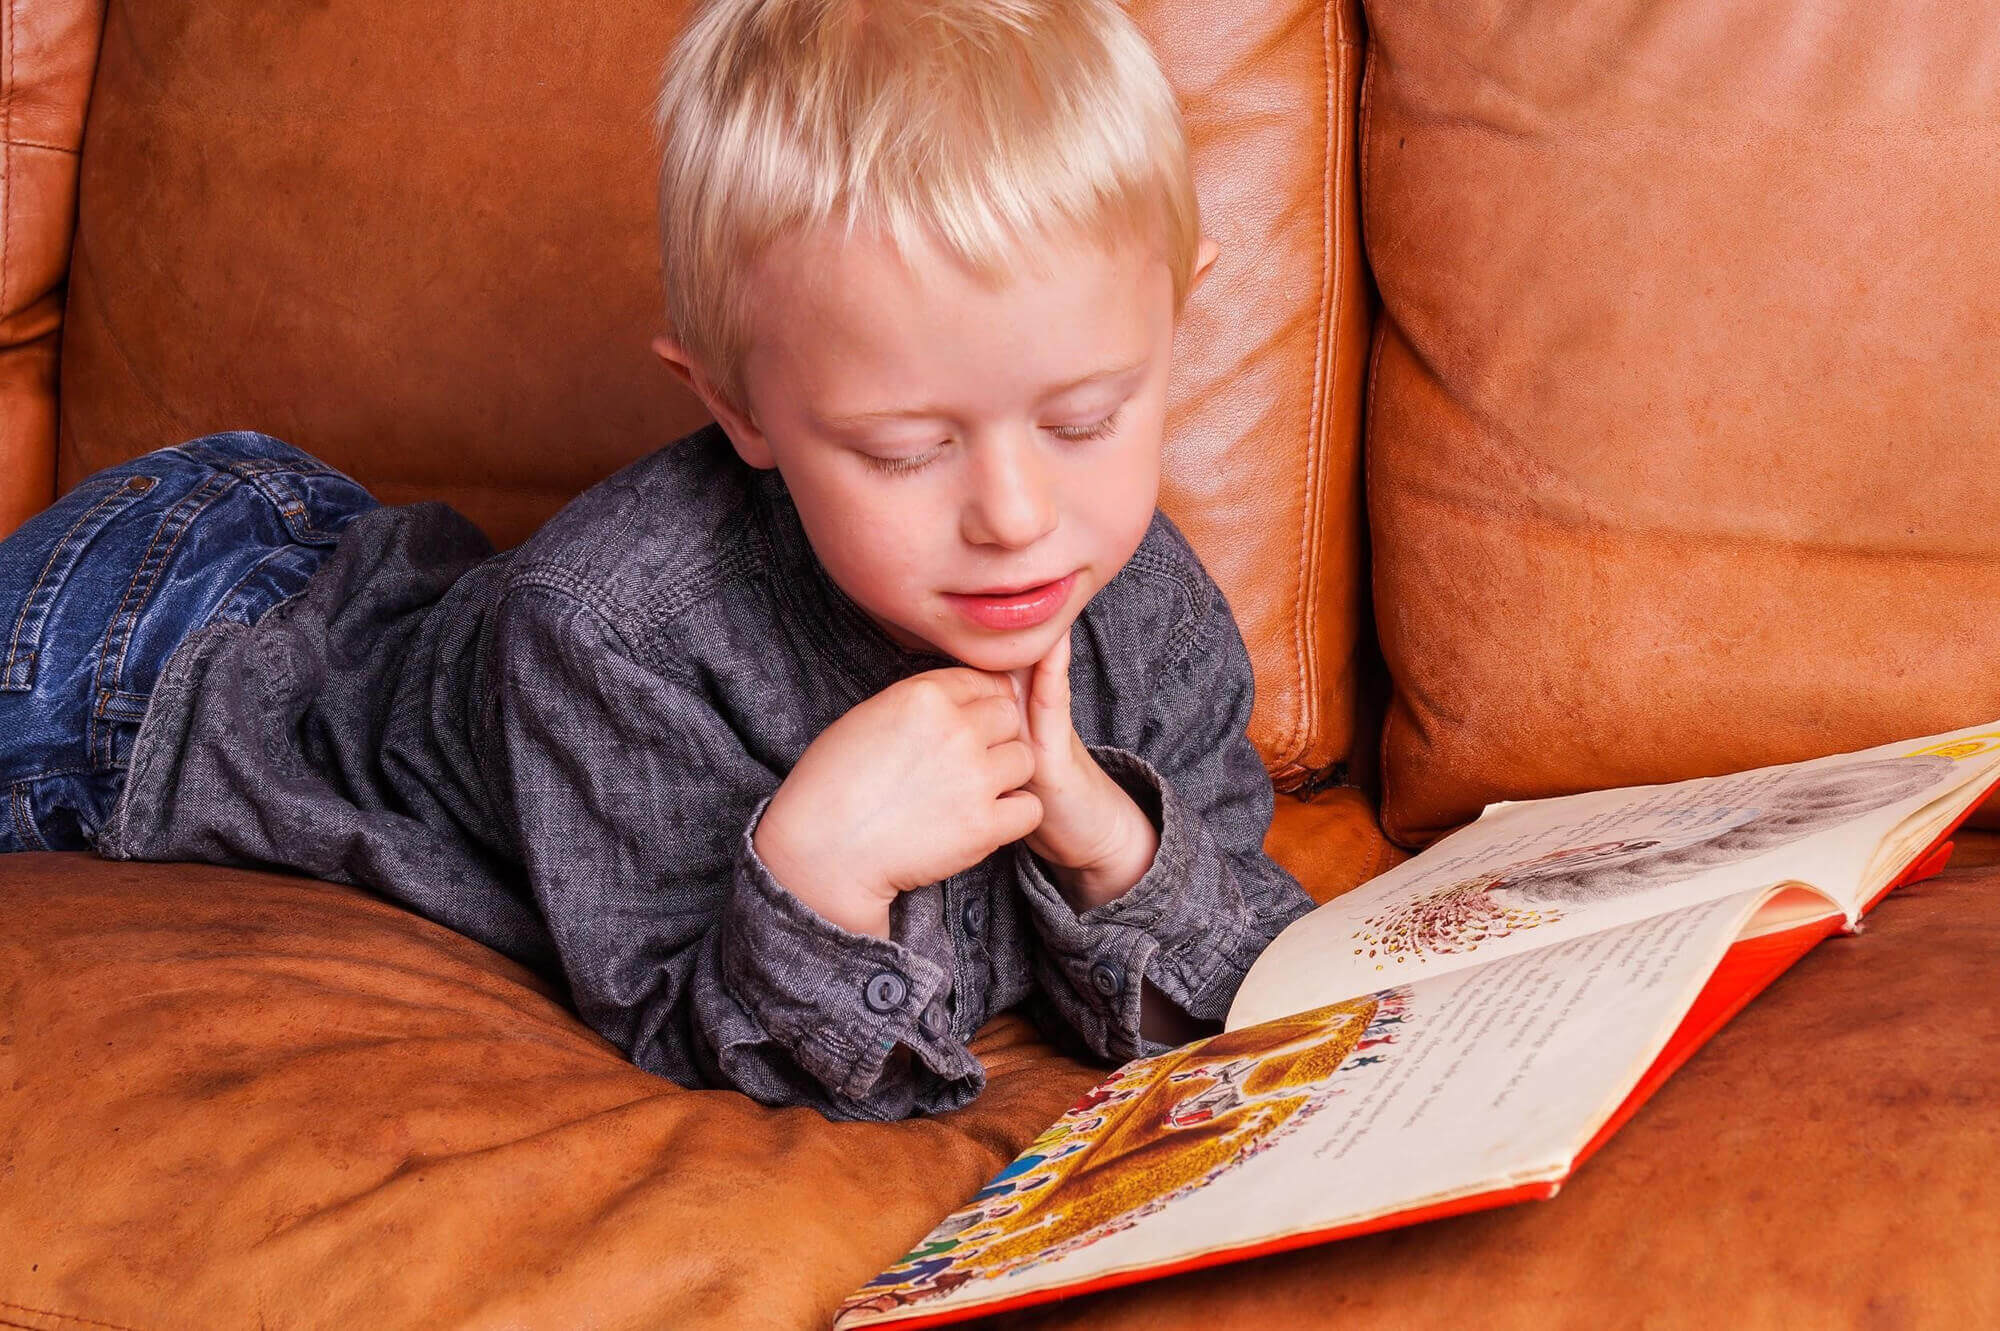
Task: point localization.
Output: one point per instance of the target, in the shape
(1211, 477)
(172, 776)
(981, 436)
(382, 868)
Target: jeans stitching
(118, 636)
(65, 552)
(24, 825)
(122, 699)
(274, 479)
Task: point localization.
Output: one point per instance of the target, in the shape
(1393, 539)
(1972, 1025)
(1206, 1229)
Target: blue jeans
(98, 590)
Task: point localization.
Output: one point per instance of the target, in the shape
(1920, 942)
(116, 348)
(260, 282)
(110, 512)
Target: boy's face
(970, 464)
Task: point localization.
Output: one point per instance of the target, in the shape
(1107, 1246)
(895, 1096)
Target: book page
(1447, 1086)
(1531, 873)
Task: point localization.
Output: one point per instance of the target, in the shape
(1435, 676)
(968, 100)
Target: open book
(1459, 1033)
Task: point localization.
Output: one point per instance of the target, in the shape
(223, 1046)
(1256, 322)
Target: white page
(1532, 873)
(1451, 1086)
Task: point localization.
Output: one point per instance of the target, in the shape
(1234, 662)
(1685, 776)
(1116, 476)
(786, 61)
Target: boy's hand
(909, 787)
(1095, 839)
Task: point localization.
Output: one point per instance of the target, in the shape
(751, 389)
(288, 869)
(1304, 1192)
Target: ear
(749, 441)
(1204, 259)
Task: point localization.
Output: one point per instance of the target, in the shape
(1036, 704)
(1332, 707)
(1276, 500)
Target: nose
(1012, 501)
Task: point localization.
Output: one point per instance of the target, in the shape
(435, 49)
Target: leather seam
(67, 1317)
(65, 150)
(1336, 236)
(1315, 427)
(7, 40)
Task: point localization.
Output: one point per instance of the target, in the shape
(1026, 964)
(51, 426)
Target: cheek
(1117, 493)
(875, 548)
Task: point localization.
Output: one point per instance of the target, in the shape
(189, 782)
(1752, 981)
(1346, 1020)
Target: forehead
(847, 326)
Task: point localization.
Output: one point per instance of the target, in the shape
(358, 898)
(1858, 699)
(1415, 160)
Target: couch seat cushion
(239, 1099)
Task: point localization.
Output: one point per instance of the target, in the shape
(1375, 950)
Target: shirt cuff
(839, 1001)
(1183, 927)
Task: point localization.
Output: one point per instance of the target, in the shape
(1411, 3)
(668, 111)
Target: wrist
(1119, 862)
(810, 875)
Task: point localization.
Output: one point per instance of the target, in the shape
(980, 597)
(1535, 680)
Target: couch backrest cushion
(1681, 431)
(417, 240)
(47, 50)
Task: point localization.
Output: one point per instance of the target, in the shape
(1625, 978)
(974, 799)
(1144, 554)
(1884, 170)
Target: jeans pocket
(274, 579)
(58, 810)
(88, 510)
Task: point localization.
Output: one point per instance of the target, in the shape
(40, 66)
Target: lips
(1004, 593)
(1013, 607)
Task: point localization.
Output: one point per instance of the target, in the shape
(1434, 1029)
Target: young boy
(804, 745)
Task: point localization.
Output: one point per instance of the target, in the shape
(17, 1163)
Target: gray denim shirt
(562, 751)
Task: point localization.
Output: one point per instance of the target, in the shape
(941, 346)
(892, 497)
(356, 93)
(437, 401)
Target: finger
(993, 720)
(1010, 764)
(1022, 679)
(1049, 722)
(1015, 815)
(963, 684)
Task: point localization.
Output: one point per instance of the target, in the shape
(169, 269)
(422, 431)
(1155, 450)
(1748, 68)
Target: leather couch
(1639, 440)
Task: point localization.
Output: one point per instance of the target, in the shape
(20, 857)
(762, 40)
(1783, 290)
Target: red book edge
(1745, 971)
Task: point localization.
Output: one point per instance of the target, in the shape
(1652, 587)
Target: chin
(998, 657)
(1003, 652)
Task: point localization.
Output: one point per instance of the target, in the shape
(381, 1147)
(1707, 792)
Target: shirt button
(885, 990)
(932, 1019)
(975, 915)
(1105, 978)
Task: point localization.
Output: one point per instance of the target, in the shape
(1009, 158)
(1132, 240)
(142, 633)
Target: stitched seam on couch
(1326, 361)
(68, 1318)
(7, 150)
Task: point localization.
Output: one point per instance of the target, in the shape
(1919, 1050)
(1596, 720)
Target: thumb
(1049, 723)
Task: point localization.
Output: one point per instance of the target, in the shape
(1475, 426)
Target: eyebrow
(852, 420)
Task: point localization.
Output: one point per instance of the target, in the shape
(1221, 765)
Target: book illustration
(1789, 805)
(1154, 1131)
(1963, 747)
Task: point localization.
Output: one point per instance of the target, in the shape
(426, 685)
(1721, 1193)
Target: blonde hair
(980, 125)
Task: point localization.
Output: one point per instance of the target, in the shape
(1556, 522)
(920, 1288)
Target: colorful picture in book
(1965, 746)
(1726, 820)
(1155, 1130)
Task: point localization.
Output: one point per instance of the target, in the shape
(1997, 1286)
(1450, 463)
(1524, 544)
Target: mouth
(1018, 589)
(1016, 607)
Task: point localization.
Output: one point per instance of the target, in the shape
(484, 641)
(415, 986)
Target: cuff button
(932, 1020)
(1106, 979)
(885, 991)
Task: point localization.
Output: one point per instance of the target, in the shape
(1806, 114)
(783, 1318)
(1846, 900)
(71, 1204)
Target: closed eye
(1095, 431)
(914, 462)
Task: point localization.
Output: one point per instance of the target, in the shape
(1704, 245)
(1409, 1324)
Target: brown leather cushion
(47, 50)
(231, 1094)
(1680, 426)
(236, 1099)
(418, 241)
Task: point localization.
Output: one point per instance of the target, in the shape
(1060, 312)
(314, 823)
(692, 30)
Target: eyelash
(1073, 433)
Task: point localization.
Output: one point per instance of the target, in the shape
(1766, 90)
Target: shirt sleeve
(634, 804)
(1212, 899)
